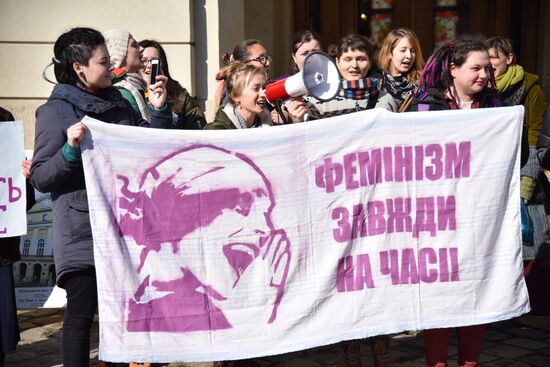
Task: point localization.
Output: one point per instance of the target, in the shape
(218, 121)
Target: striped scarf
(359, 89)
(398, 86)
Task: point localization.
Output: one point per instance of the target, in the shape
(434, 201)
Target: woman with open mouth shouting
(246, 107)
(401, 62)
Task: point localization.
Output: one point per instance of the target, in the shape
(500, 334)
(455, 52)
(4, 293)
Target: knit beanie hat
(116, 41)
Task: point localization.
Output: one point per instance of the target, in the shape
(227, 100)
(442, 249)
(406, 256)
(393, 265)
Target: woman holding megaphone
(353, 55)
(294, 109)
(357, 92)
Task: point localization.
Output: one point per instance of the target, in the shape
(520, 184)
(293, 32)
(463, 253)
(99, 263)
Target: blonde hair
(391, 40)
(237, 75)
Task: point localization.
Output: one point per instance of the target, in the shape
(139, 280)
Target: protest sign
(12, 182)
(215, 245)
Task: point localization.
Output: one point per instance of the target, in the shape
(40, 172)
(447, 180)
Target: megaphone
(318, 78)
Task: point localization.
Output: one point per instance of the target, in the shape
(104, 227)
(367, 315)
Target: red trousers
(469, 340)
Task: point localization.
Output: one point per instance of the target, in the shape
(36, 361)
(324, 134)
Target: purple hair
(437, 71)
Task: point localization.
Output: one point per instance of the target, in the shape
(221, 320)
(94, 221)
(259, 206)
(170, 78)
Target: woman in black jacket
(83, 71)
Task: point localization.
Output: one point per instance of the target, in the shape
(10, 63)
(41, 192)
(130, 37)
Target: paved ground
(521, 342)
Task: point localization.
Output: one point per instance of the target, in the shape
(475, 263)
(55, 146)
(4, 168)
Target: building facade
(196, 32)
(36, 267)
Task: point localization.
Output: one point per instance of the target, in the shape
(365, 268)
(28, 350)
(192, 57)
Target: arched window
(40, 247)
(23, 272)
(51, 274)
(37, 273)
(26, 246)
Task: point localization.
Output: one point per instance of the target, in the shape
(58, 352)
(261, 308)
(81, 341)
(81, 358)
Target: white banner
(12, 183)
(216, 245)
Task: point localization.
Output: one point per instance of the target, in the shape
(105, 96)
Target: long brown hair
(391, 40)
(173, 87)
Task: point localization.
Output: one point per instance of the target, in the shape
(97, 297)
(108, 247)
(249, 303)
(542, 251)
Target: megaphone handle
(278, 107)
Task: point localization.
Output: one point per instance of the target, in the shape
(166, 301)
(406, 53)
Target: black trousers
(81, 290)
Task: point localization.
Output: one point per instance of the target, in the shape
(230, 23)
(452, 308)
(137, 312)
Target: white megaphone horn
(318, 78)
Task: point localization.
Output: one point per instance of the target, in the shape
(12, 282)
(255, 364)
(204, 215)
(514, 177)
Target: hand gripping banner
(216, 245)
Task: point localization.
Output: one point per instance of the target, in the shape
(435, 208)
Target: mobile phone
(154, 71)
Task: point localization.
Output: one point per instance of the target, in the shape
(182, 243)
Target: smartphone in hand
(155, 65)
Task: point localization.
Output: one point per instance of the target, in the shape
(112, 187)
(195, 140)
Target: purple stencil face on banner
(180, 202)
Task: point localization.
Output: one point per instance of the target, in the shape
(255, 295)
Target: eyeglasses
(148, 61)
(262, 59)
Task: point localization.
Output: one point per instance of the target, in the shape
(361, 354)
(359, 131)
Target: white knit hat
(116, 41)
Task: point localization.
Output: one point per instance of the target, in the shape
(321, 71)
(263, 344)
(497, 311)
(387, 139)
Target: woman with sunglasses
(186, 113)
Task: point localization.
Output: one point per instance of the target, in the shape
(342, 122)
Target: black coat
(51, 172)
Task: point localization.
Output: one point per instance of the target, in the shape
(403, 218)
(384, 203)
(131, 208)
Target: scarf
(512, 76)
(511, 85)
(359, 89)
(242, 121)
(135, 84)
(399, 87)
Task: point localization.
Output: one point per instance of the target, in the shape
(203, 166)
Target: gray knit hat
(116, 41)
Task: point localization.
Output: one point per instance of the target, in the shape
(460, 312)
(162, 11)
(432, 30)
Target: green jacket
(517, 86)
(189, 114)
(221, 122)
(225, 119)
(535, 107)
